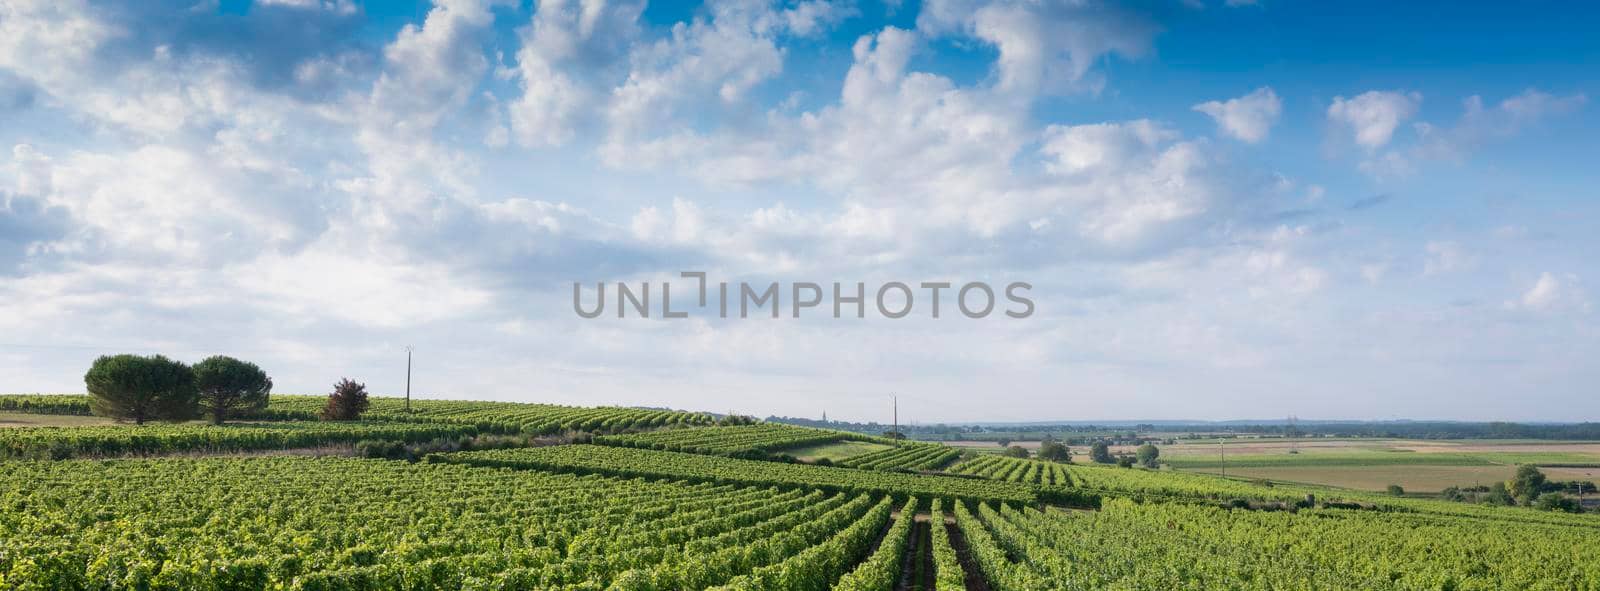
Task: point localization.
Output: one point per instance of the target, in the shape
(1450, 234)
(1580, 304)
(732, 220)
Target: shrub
(347, 402)
(1396, 491)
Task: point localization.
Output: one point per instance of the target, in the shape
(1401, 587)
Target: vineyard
(1016, 470)
(741, 440)
(1128, 545)
(593, 459)
(489, 417)
(912, 456)
(357, 524)
(668, 500)
(65, 442)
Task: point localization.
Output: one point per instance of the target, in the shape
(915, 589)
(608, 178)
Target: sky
(1222, 209)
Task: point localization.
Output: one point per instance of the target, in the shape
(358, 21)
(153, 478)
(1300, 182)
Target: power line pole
(408, 378)
(1223, 445)
(896, 400)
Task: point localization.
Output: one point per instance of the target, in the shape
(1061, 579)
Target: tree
(136, 388)
(1004, 442)
(228, 386)
(1526, 484)
(1498, 495)
(1125, 461)
(1101, 453)
(1148, 454)
(895, 435)
(1055, 452)
(1396, 490)
(1016, 451)
(1555, 501)
(347, 402)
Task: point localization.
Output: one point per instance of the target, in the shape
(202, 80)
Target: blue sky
(1227, 209)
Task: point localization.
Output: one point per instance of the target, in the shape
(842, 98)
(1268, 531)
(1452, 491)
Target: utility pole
(408, 379)
(896, 400)
(1223, 445)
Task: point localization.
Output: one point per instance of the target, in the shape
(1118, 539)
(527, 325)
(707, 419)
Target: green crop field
(96, 505)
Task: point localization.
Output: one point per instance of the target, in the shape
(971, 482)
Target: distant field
(1412, 477)
(835, 451)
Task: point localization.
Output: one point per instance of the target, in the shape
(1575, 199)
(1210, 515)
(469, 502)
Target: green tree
(1100, 452)
(1526, 484)
(136, 388)
(1055, 452)
(1016, 451)
(1555, 501)
(228, 386)
(1396, 490)
(347, 402)
(1125, 461)
(1004, 442)
(1147, 455)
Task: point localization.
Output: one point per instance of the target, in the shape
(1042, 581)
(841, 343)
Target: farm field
(1414, 478)
(727, 510)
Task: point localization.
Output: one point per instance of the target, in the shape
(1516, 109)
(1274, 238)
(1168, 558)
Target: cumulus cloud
(1247, 118)
(275, 185)
(1045, 47)
(1373, 116)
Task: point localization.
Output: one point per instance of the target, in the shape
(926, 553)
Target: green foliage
(880, 570)
(906, 457)
(108, 441)
(947, 572)
(347, 402)
(1129, 545)
(229, 387)
(1526, 484)
(1016, 451)
(302, 524)
(1396, 490)
(1100, 453)
(1148, 454)
(1015, 470)
(139, 389)
(1055, 451)
(45, 404)
(1554, 501)
(617, 461)
(747, 441)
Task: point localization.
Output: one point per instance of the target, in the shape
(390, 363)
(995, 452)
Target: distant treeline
(1394, 429)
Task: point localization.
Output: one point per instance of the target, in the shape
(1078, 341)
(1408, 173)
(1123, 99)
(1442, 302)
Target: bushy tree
(1016, 451)
(1555, 501)
(1147, 455)
(136, 388)
(1125, 461)
(1526, 484)
(1100, 452)
(229, 386)
(1396, 490)
(347, 402)
(1055, 452)
(1004, 442)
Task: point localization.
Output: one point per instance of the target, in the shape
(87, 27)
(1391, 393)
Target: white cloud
(1047, 48)
(1373, 116)
(1247, 118)
(1551, 293)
